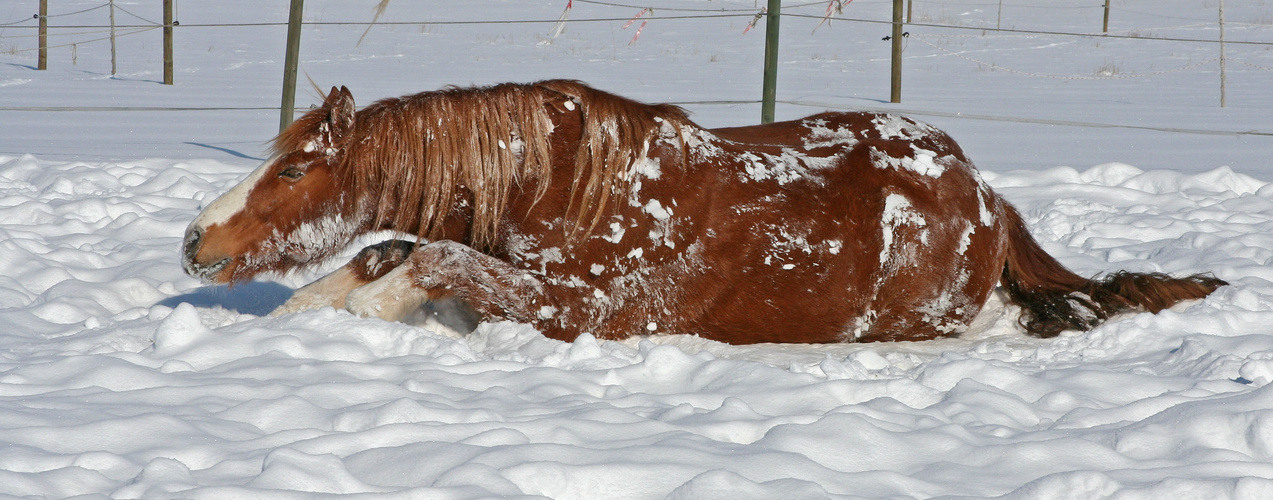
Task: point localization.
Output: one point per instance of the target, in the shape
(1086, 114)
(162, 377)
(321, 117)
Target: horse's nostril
(192, 241)
(194, 238)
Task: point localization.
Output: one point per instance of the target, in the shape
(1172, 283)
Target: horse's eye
(291, 174)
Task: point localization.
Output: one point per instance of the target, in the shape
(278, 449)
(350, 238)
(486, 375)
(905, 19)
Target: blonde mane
(616, 133)
(426, 154)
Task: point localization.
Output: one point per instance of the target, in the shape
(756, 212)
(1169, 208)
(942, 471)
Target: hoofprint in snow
(123, 377)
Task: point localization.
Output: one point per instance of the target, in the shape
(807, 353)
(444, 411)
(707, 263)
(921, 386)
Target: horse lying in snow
(574, 210)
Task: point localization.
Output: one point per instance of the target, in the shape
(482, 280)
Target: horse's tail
(1052, 298)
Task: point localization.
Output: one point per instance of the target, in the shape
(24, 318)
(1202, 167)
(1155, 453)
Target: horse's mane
(616, 132)
(428, 152)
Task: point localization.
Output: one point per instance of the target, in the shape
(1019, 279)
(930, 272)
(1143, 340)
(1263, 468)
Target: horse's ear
(340, 113)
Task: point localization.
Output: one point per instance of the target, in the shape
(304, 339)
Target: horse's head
(290, 212)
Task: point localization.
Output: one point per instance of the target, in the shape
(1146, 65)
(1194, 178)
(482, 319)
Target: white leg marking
(390, 298)
(329, 290)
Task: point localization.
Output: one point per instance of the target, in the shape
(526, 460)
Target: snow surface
(121, 377)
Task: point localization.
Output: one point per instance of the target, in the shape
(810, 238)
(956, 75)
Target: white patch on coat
(897, 212)
(925, 162)
(702, 144)
(521, 248)
(821, 136)
(656, 210)
(965, 239)
(616, 232)
(790, 166)
(642, 167)
(550, 256)
(987, 218)
(645, 166)
(861, 325)
(934, 311)
(898, 127)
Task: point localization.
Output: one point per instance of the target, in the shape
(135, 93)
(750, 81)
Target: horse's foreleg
(371, 264)
(445, 269)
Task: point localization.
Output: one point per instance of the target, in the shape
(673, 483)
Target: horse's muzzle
(190, 262)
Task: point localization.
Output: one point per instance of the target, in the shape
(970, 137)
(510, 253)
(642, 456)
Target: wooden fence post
(895, 94)
(769, 90)
(1105, 27)
(1222, 61)
(113, 65)
(290, 63)
(167, 42)
(43, 61)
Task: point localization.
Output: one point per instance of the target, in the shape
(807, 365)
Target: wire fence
(832, 11)
(688, 14)
(802, 103)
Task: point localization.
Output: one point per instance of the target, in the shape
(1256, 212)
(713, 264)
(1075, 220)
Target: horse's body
(578, 211)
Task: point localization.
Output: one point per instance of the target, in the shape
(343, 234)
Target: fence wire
(703, 14)
(802, 103)
(1099, 76)
(694, 14)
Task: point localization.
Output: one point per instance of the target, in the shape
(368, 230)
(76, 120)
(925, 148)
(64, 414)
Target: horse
(578, 211)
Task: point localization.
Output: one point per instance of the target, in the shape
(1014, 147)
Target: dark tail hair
(1052, 298)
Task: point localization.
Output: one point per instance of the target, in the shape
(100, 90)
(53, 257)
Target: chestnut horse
(574, 210)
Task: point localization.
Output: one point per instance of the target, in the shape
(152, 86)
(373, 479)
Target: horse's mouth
(208, 274)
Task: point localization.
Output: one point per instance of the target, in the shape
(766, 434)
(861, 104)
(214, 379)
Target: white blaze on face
(233, 201)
